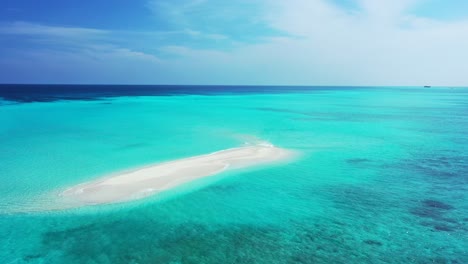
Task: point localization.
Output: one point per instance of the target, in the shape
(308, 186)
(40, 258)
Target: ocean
(381, 175)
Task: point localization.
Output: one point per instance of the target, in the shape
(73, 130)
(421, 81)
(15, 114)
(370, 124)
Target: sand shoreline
(150, 180)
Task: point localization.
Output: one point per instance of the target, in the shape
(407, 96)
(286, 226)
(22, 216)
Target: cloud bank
(297, 42)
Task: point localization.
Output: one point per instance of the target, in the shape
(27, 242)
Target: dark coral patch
(437, 204)
(427, 213)
(357, 161)
(373, 242)
(443, 228)
(32, 257)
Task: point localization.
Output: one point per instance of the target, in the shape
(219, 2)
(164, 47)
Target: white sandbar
(159, 177)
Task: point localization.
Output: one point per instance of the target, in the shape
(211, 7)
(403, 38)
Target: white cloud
(76, 40)
(322, 44)
(386, 10)
(373, 45)
(383, 45)
(25, 28)
(174, 12)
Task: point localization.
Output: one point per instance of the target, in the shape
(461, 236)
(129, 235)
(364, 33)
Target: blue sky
(296, 42)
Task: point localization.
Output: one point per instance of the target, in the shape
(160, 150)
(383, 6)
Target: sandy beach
(150, 180)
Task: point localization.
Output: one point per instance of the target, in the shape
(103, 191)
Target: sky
(235, 42)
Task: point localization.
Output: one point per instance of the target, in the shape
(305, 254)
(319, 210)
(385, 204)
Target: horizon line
(230, 85)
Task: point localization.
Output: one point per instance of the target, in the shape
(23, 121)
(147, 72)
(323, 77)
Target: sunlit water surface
(382, 177)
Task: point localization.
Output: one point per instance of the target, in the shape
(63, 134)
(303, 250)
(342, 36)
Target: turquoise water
(382, 178)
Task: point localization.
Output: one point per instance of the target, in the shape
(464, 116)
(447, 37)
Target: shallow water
(382, 177)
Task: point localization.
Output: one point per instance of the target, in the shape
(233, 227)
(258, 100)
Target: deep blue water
(47, 93)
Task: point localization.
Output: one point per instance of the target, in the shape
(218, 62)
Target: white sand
(159, 177)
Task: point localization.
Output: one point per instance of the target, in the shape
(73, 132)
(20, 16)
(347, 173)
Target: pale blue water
(382, 176)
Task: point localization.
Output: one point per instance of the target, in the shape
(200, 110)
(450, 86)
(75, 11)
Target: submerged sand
(159, 177)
